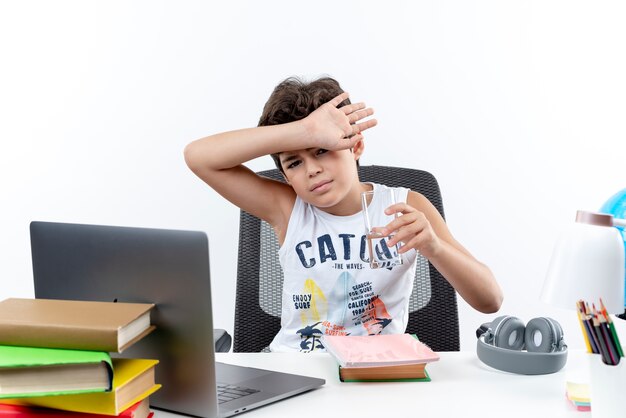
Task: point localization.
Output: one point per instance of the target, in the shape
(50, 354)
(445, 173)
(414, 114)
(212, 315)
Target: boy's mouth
(321, 186)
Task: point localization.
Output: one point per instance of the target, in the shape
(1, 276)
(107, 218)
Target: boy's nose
(313, 168)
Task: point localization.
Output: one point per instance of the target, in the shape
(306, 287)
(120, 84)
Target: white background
(517, 108)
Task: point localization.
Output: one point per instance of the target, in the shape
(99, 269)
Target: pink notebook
(378, 350)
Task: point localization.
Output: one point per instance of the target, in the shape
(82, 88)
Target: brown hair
(294, 99)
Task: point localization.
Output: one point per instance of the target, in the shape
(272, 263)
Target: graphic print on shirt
(311, 302)
(376, 317)
(337, 250)
(313, 306)
(310, 338)
(338, 313)
(356, 304)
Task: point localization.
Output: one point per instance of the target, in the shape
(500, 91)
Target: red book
(138, 410)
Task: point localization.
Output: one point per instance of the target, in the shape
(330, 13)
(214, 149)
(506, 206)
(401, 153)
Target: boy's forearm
(472, 280)
(230, 149)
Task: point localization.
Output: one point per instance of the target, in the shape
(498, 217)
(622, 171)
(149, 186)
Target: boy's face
(320, 177)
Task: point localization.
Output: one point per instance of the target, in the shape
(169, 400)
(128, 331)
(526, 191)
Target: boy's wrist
(306, 129)
(434, 250)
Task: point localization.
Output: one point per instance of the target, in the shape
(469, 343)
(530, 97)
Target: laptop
(169, 268)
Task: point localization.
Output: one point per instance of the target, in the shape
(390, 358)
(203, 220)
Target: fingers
(356, 112)
(351, 108)
(360, 127)
(404, 228)
(353, 139)
(400, 207)
(417, 242)
(412, 228)
(393, 227)
(378, 231)
(338, 99)
(360, 114)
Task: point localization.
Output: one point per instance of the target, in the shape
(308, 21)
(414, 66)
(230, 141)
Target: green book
(425, 378)
(31, 371)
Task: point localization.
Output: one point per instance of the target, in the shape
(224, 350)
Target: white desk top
(461, 386)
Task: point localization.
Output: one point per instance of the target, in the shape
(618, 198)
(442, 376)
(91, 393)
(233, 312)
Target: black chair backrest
(433, 308)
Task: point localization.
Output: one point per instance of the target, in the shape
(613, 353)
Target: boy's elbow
(492, 304)
(190, 155)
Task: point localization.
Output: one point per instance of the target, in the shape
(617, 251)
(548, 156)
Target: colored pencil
(613, 353)
(618, 345)
(604, 350)
(584, 327)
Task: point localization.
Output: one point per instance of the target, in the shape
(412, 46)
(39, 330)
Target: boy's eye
(294, 164)
(321, 151)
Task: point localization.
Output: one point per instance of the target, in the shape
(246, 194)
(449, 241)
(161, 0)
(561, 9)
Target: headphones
(500, 344)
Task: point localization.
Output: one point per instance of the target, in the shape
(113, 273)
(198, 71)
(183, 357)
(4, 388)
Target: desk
(461, 386)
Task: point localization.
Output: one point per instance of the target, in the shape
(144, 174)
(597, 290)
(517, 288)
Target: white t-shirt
(329, 287)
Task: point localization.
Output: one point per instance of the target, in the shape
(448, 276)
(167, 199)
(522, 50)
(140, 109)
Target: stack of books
(55, 359)
(380, 358)
(578, 395)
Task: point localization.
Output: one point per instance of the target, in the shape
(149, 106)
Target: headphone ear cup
(543, 335)
(508, 333)
(491, 327)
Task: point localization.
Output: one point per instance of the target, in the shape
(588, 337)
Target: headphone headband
(520, 362)
(496, 351)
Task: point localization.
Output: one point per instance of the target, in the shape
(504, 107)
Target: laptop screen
(169, 268)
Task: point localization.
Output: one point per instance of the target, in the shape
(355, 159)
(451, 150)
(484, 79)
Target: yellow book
(133, 380)
(578, 392)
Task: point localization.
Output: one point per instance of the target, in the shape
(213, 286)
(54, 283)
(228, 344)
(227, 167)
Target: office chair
(433, 313)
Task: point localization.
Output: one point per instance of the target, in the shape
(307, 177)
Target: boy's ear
(358, 149)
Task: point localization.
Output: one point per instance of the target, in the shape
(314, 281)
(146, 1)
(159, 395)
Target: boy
(314, 134)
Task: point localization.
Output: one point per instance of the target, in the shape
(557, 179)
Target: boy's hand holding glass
(413, 229)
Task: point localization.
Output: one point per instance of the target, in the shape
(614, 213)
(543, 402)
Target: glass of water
(374, 204)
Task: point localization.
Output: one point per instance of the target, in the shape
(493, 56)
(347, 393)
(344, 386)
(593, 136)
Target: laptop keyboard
(227, 392)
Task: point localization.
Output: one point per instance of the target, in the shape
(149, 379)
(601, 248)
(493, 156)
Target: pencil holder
(607, 388)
